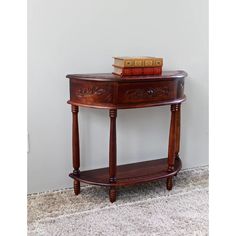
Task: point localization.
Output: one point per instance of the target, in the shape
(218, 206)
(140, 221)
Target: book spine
(147, 62)
(142, 71)
(138, 62)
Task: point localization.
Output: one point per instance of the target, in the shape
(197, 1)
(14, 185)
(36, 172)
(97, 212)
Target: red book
(137, 71)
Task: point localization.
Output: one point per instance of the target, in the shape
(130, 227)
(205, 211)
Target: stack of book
(126, 66)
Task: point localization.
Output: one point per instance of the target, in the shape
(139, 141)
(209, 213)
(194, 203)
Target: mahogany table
(108, 91)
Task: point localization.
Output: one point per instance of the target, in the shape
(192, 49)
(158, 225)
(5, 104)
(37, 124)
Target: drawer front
(91, 93)
(148, 92)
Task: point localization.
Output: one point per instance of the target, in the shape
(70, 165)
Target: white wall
(81, 37)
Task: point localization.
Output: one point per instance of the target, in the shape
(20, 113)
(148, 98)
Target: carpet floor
(147, 209)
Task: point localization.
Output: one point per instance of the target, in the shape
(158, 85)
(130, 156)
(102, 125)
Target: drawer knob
(150, 91)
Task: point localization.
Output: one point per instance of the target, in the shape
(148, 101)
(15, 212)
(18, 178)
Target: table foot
(112, 194)
(169, 183)
(76, 187)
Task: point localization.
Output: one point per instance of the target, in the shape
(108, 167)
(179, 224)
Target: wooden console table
(108, 91)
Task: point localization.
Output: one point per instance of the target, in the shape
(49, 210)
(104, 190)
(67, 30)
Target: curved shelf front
(130, 174)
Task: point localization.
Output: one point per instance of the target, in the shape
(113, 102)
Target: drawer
(147, 92)
(87, 93)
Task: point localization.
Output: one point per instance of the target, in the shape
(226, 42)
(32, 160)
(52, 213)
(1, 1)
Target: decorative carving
(104, 93)
(147, 92)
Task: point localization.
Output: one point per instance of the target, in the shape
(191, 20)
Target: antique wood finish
(108, 91)
(130, 174)
(112, 154)
(174, 141)
(113, 92)
(75, 147)
(178, 122)
(172, 138)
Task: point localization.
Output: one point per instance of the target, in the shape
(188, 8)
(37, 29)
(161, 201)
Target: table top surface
(111, 77)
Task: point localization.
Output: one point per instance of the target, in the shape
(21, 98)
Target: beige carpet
(147, 209)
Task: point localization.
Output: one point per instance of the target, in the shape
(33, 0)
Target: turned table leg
(112, 154)
(75, 147)
(174, 136)
(178, 122)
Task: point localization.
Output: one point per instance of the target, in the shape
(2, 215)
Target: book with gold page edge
(122, 71)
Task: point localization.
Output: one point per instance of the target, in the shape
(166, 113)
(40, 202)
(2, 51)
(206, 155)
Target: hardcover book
(128, 62)
(121, 71)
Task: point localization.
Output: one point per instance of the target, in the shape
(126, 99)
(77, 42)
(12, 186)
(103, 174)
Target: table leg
(178, 125)
(173, 142)
(75, 147)
(112, 154)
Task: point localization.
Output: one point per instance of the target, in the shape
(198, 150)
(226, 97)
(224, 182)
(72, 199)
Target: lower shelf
(130, 174)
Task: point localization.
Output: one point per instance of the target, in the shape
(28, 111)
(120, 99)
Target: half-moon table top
(116, 78)
(105, 90)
